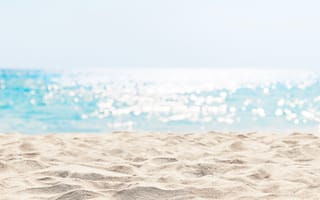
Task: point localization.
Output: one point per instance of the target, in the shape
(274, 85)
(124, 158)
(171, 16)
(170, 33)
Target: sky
(159, 33)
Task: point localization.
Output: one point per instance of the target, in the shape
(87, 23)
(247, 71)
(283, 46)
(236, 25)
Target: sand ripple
(134, 166)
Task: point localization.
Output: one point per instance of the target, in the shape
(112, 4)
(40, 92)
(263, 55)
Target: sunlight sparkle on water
(158, 100)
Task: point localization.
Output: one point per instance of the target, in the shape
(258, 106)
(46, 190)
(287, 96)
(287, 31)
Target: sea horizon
(159, 100)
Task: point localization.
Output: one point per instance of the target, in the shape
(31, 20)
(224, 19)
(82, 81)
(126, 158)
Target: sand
(162, 166)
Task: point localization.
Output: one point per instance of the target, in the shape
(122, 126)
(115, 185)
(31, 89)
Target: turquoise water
(39, 101)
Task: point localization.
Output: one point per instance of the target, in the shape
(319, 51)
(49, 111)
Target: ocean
(159, 100)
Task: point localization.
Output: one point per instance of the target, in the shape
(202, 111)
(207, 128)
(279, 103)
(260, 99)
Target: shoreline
(125, 165)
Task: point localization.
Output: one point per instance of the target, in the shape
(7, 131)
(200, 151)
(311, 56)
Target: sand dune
(130, 166)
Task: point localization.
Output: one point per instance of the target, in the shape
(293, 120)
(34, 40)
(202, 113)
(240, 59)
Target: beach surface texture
(162, 166)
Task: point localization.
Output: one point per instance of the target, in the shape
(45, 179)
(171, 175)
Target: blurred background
(179, 65)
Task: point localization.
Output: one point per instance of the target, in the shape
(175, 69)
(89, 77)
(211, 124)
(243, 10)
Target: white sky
(159, 33)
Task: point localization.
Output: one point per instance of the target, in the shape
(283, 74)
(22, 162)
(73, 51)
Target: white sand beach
(145, 166)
